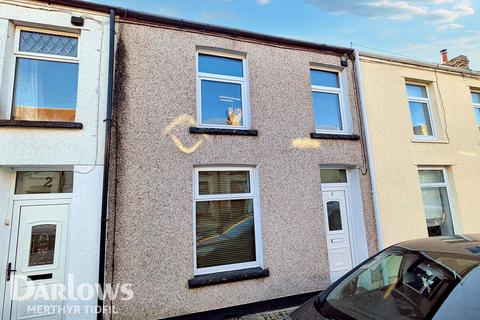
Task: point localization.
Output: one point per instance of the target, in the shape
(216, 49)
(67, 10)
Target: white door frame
(11, 224)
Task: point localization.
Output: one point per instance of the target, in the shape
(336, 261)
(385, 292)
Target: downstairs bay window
(227, 223)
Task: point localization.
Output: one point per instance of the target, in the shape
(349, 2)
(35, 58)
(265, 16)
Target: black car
(434, 278)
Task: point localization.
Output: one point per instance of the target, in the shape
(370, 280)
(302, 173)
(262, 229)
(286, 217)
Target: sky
(416, 29)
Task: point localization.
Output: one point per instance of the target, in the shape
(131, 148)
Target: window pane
(220, 65)
(420, 119)
(477, 115)
(221, 182)
(221, 103)
(334, 216)
(45, 90)
(44, 182)
(431, 176)
(42, 245)
(476, 97)
(327, 111)
(437, 211)
(224, 232)
(48, 44)
(416, 91)
(324, 78)
(333, 175)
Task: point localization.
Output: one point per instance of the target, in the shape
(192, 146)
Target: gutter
(106, 168)
(143, 17)
(363, 107)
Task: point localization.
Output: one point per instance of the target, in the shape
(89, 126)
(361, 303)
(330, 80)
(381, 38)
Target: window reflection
(45, 90)
(221, 103)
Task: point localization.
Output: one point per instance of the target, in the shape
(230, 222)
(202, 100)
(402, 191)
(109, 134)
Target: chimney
(444, 56)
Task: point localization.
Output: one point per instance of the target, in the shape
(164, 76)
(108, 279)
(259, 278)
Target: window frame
(253, 194)
(37, 56)
(342, 94)
(445, 184)
(244, 87)
(429, 107)
(475, 105)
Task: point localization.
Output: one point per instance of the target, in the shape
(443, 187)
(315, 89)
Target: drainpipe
(376, 209)
(106, 162)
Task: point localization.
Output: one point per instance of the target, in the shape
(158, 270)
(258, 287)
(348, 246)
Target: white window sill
(430, 141)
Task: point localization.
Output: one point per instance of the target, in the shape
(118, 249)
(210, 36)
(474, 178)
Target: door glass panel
(42, 245)
(334, 216)
(44, 182)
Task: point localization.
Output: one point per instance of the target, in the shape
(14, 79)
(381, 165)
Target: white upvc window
(222, 90)
(476, 106)
(420, 112)
(436, 201)
(227, 232)
(46, 75)
(330, 100)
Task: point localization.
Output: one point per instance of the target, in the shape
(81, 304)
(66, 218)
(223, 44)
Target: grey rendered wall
(156, 156)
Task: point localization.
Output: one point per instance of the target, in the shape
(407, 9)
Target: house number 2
(48, 183)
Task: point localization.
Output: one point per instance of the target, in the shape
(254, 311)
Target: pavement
(270, 315)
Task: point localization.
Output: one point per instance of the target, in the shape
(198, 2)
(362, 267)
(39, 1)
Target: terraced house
(241, 174)
(423, 127)
(53, 102)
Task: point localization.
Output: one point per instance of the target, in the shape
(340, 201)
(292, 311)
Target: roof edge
(430, 65)
(138, 16)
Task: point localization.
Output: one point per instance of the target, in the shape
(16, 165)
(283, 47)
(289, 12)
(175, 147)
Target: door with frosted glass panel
(338, 239)
(37, 260)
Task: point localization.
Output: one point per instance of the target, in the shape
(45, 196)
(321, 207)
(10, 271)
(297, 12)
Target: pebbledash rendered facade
(241, 173)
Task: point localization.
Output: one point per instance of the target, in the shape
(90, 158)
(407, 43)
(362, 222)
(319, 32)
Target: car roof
(467, 245)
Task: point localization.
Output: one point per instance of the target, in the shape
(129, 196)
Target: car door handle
(9, 271)
(336, 240)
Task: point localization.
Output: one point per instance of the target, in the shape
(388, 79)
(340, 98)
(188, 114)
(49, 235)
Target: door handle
(336, 240)
(9, 271)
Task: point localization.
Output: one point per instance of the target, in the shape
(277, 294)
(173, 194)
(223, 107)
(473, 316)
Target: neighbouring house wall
(80, 150)
(154, 202)
(396, 157)
(68, 147)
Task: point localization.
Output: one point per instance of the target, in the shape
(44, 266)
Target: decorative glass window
(42, 245)
(333, 175)
(327, 97)
(222, 92)
(227, 222)
(46, 75)
(476, 106)
(44, 182)
(420, 111)
(436, 202)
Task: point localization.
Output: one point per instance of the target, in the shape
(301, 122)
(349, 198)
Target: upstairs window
(327, 98)
(222, 92)
(420, 111)
(476, 106)
(46, 75)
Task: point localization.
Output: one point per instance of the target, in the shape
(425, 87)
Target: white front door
(338, 239)
(36, 259)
